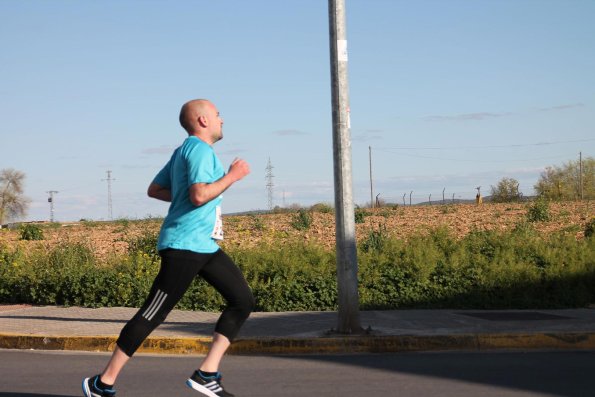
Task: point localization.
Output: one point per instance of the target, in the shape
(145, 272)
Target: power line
(77, 187)
(488, 146)
(470, 160)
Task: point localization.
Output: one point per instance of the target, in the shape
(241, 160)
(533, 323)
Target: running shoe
(90, 388)
(208, 385)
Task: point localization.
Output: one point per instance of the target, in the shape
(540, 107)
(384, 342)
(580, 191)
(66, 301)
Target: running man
(193, 181)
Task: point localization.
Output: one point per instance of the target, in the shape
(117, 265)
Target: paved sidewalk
(75, 328)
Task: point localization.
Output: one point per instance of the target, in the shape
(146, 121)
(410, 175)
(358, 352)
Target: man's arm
(159, 192)
(202, 193)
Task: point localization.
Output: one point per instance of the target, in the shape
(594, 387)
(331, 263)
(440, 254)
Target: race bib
(218, 229)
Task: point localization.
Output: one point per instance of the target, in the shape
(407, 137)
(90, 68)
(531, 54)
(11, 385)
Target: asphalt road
(445, 374)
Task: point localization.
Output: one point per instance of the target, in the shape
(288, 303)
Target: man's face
(216, 124)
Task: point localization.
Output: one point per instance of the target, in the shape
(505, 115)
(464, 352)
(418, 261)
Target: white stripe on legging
(155, 305)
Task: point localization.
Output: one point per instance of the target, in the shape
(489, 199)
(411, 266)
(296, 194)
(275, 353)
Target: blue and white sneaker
(208, 385)
(91, 389)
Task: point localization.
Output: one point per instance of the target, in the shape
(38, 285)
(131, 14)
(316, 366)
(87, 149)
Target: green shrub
(146, 244)
(69, 275)
(89, 222)
(375, 240)
(257, 223)
(302, 220)
(124, 222)
(590, 228)
(31, 231)
(385, 213)
(539, 211)
(323, 208)
(447, 208)
(360, 215)
(484, 270)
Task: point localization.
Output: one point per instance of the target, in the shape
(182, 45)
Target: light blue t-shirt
(187, 226)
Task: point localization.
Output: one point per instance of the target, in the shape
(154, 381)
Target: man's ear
(203, 121)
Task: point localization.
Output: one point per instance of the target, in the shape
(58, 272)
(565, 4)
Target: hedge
(518, 269)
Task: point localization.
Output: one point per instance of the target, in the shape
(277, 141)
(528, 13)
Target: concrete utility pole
(51, 201)
(371, 186)
(349, 318)
(580, 174)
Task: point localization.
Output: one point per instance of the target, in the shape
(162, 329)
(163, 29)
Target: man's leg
(215, 354)
(228, 280)
(114, 366)
(178, 269)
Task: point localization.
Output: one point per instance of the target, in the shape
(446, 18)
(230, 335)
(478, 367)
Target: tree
(13, 203)
(563, 182)
(505, 191)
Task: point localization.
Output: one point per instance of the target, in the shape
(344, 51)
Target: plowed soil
(245, 231)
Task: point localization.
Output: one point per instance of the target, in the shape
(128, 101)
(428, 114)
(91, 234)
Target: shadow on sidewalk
(67, 319)
(9, 394)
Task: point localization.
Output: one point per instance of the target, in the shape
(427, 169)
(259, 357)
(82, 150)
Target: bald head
(190, 113)
(200, 118)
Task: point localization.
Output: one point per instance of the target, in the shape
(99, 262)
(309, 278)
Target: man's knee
(248, 304)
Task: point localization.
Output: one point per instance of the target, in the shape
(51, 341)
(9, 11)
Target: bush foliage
(302, 220)
(31, 232)
(506, 191)
(563, 182)
(485, 269)
(539, 211)
(590, 228)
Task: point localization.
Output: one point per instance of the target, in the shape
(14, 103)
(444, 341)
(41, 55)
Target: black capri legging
(178, 269)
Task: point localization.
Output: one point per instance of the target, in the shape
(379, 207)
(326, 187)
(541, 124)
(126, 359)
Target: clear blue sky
(449, 94)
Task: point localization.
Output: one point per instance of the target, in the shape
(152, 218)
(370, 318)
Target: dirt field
(107, 238)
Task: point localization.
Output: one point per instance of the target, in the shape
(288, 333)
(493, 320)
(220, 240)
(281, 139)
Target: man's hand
(201, 193)
(238, 169)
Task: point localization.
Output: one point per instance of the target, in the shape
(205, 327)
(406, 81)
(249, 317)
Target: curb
(320, 345)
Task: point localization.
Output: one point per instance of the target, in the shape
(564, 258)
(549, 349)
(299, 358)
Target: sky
(446, 96)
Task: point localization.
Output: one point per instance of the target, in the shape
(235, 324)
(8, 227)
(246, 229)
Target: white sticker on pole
(348, 118)
(342, 50)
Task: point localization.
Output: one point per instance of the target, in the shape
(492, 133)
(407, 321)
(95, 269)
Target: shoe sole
(86, 388)
(201, 389)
